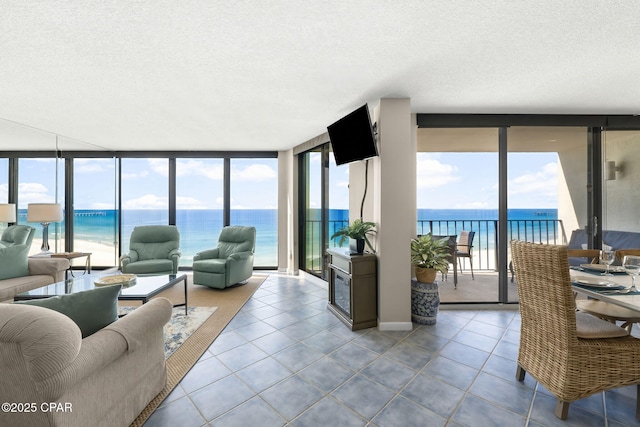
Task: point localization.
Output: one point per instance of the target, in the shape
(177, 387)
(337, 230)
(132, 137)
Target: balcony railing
(484, 242)
(485, 257)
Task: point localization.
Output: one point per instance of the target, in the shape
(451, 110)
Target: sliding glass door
(525, 183)
(324, 200)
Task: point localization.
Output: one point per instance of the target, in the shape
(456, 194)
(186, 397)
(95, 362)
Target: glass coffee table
(144, 288)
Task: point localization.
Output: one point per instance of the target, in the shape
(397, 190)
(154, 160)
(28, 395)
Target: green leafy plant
(427, 252)
(358, 229)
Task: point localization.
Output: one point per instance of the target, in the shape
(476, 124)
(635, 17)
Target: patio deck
(484, 289)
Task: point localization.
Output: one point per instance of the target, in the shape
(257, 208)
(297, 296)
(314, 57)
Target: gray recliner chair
(153, 250)
(17, 235)
(228, 264)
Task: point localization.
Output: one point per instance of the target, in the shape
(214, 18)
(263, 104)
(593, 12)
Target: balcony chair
(465, 247)
(153, 250)
(572, 354)
(230, 263)
(451, 244)
(17, 235)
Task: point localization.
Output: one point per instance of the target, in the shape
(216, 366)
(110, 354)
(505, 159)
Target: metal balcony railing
(485, 257)
(484, 243)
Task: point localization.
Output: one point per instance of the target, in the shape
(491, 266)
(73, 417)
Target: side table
(73, 255)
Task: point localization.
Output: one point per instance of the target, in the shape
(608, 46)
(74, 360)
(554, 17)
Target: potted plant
(358, 231)
(430, 256)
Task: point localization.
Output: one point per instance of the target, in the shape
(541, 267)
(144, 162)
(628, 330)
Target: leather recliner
(228, 264)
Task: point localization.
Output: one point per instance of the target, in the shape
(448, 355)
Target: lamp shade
(44, 212)
(7, 212)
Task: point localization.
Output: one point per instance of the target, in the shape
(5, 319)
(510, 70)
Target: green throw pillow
(91, 310)
(13, 261)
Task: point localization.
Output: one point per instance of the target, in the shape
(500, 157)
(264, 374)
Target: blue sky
(145, 183)
(445, 181)
(470, 180)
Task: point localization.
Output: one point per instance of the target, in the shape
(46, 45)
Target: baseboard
(395, 326)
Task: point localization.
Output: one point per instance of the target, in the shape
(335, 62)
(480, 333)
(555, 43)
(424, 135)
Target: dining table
(590, 280)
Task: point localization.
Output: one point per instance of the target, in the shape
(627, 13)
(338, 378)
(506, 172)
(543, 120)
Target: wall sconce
(44, 213)
(8, 213)
(611, 169)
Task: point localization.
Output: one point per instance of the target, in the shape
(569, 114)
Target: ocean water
(199, 228)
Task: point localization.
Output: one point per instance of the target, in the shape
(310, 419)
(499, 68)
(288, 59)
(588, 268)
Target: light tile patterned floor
(285, 360)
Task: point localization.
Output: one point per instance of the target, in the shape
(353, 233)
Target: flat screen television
(352, 137)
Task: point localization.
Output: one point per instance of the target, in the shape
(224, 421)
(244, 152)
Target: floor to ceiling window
(41, 180)
(324, 203)
(145, 195)
(547, 175)
(460, 187)
(95, 213)
(112, 195)
(457, 175)
(254, 202)
(4, 187)
(199, 205)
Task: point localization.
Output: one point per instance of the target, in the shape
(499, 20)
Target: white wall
(288, 212)
(394, 209)
(621, 196)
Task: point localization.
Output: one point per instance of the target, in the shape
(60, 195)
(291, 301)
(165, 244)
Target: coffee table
(145, 287)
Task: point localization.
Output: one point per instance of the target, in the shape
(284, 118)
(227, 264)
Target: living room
(193, 89)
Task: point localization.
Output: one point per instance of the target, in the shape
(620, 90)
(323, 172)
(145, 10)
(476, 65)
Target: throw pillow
(13, 261)
(91, 310)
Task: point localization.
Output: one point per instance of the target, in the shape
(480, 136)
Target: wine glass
(607, 258)
(631, 264)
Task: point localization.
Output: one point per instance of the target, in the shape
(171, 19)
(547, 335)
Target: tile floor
(285, 360)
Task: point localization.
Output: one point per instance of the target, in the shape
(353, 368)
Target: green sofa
(19, 273)
(228, 264)
(153, 249)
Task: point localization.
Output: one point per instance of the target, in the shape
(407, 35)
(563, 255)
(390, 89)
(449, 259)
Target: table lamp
(44, 213)
(8, 213)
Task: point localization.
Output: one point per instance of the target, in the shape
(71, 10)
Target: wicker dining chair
(570, 353)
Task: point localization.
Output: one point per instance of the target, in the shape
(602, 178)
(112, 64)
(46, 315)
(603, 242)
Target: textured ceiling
(268, 75)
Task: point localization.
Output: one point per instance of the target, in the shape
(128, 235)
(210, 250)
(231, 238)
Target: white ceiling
(268, 75)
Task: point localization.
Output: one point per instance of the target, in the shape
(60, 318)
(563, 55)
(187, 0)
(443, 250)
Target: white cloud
(190, 203)
(255, 172)
(200, 168)
(159, 166)
(34, 192)
(148, 201)
(31, 187)
(135, 175)
(431, 173)
(542, 182)
(92, 165)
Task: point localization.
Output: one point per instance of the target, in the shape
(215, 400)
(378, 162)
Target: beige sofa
(51, 376)
(42, 272)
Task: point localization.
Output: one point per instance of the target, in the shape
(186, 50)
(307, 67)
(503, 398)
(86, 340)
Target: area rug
(180, 326)
(229, 301)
